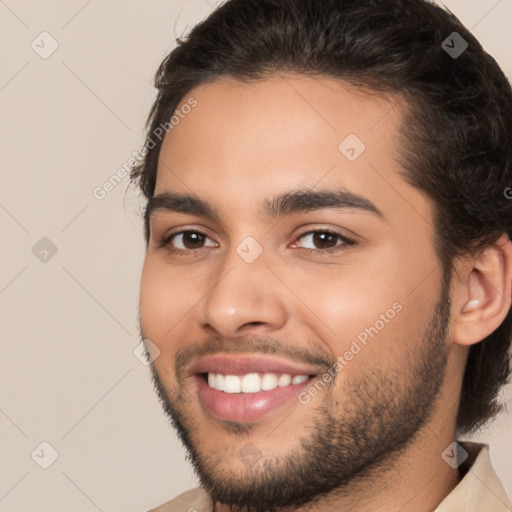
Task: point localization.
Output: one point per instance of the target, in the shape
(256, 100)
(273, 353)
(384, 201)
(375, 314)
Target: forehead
(277, 118)
(243, 141)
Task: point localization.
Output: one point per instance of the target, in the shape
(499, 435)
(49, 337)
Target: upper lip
(242, 364)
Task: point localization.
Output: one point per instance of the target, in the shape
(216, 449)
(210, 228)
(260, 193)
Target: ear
(481, 292)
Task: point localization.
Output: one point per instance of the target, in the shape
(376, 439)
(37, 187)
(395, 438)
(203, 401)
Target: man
(327, 282)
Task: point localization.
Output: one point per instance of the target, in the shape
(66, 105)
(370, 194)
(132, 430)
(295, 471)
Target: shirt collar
(479, 489)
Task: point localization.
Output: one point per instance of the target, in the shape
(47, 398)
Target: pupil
(195, 237)
(320, 238)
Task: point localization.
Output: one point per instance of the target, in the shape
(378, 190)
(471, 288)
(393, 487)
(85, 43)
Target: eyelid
(196, 228)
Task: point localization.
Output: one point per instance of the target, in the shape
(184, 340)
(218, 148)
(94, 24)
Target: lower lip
(245, 407)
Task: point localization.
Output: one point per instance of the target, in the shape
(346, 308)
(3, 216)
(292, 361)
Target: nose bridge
(245, 291)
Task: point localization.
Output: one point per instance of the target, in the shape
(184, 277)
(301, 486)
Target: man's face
(256, 297)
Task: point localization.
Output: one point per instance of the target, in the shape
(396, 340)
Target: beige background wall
(68, 324)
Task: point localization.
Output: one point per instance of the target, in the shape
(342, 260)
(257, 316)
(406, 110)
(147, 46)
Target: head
(325, 103)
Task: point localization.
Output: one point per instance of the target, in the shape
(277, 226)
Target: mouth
(244, 389)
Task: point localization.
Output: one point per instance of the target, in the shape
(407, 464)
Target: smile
(244, 389)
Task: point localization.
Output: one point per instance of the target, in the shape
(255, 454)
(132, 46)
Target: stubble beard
(349, 436)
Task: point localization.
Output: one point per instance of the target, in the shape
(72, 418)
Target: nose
(244, 297)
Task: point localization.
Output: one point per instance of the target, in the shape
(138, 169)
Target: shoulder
(194, 500)
(479, 488)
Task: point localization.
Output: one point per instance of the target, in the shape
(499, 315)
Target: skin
(240, 145)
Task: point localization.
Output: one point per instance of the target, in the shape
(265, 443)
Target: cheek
(169, 301)
(159, 304)
(385, 305)
(381, 338)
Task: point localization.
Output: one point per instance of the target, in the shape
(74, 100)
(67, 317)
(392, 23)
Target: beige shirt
(478, 491)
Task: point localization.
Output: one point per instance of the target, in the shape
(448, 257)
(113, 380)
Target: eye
(190, 240)
(322, 237)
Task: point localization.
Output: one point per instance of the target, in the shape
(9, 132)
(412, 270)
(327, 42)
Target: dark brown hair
(456, 138)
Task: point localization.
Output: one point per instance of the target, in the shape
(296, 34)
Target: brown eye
(192, 239)
(184, 241)
(325, 240)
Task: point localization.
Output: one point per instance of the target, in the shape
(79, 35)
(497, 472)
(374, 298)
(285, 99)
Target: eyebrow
(289, 203)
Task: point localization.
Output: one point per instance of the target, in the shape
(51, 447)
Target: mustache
(255, 345)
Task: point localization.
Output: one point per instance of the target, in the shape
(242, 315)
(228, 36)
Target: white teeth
(284, 380)
(268, 382)
(252, 382)
(299, 379)
(232, 384)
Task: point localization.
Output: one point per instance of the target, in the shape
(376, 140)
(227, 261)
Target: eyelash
(165, 241)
